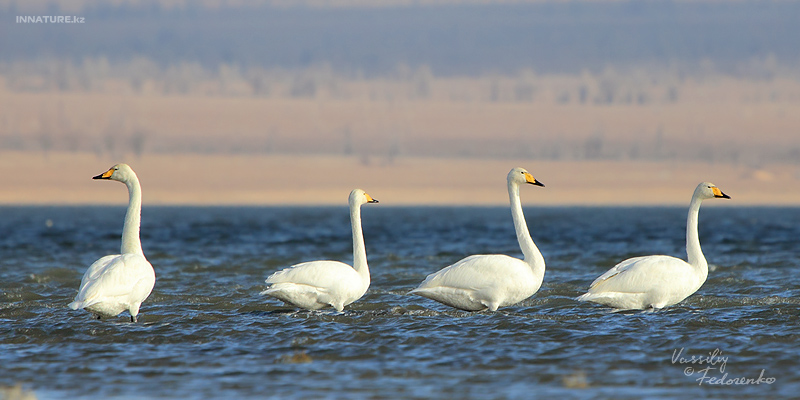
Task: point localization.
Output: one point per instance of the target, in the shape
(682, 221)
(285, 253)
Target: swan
(491, 281)
(317, 284)
(654, 282)
(119, 282)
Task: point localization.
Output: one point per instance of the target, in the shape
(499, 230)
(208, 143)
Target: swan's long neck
(359, 250)
(532, 255)
(130, 230)
(693, 251)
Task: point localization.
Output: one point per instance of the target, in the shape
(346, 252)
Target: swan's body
(119, 282)
(317, 284)
(657, 281)
(491, 281)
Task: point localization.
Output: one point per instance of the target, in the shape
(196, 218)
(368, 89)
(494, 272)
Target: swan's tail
(76, 304)
(586, 297)
(274, 288)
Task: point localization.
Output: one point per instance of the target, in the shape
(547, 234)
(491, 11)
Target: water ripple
(205, 332)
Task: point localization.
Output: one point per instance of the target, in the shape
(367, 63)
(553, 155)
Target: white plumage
(491, 281)
(317, 284)
(119, 282)
(657, 281)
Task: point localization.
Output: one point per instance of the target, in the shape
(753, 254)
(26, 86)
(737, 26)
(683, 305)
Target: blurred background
(430, 102)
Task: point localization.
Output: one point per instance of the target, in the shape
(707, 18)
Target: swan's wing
(320, 274)
(618, 269)
(96, 269)
(472, 273)
(638, 274)
(479, 282)
(113, 276)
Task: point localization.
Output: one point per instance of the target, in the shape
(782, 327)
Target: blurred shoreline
(60, 178)
(225, 102)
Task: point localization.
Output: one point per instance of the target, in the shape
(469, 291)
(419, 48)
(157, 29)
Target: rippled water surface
(205, 332)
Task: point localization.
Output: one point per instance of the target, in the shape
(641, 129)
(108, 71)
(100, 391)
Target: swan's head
(708, 190)
(520, 175)
(119, 172)
(359, 197)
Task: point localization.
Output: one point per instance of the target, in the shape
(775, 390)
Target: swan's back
(320, 274)
(481, 281)
(115, 283)
(643, 282)
(317, 284)
(477, 271)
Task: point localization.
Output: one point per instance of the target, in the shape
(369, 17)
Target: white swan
(317, 284)
(657, 281)
(490, 281)
(123, 281)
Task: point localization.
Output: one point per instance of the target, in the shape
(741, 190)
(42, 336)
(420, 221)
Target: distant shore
(33, 178)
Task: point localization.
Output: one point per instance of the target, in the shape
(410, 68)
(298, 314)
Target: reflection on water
(206, 333)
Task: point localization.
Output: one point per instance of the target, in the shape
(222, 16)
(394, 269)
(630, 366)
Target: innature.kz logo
(49, 19)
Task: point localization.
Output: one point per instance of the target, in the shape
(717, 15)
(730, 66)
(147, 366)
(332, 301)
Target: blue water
(205, 332)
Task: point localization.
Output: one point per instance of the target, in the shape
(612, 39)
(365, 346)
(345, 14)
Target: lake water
(205, 332)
